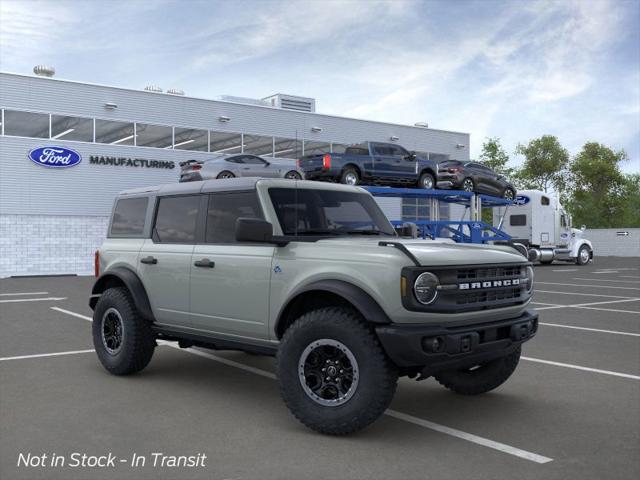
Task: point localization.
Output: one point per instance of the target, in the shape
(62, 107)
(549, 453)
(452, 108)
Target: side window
(176, 219)
(398, 151)
(253, 160)
(224, 209)
(235, 159)
(563, 220)
(518, 220)
(128, 217)
(381, 149)
(544, 201)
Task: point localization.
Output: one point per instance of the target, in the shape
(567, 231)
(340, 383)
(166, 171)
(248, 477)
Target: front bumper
(436, 348)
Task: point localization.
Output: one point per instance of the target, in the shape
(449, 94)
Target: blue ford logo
(55, 157)
(521, 200)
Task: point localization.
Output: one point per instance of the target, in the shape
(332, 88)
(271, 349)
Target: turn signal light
(453, 170)
(96, 263)
(326, 161)
(196, 167)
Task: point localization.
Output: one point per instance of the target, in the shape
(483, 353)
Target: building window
(315, 148)
(191, 139)
(287, 148)
(258, 145)
(26, 124)
(71, 128)
(225, 143)
(415, 209)
(114, 133)
(338, 148)
(156, 136)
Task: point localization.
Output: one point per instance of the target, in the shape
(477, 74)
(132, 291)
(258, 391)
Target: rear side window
(518, 220)
(544, 201)
(224, 209)
(176, 219)
(128, 217)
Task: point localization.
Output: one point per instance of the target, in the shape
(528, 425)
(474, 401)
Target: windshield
(328, 212)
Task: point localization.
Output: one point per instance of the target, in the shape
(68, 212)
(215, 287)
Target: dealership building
(52, 219)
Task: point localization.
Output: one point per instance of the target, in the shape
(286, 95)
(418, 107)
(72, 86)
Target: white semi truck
(538, 221)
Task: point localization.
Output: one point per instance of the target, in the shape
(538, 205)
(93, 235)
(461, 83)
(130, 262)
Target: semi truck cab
(540, 222)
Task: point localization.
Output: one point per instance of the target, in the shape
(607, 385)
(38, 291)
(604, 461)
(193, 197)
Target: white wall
(48, 245)
(607, 242)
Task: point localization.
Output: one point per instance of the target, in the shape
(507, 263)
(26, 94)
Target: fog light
(433, 344)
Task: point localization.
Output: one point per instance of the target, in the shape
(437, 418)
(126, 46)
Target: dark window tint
(327, 212)
(518, 220)
(356, 151)
(251, 159)
(544, 201)
(235, 159)
(128, 216)
(381, 149)
(224, 209)
(176, 219)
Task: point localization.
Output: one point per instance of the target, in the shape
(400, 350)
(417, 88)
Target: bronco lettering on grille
(490, 284)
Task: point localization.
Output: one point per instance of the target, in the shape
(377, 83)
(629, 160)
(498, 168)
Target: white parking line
(605, 280)
(551, 306)
(629, 276)
(23, 293)
(533, 457)
(580, 367)
(47, 299)
(588, 286)
(615, 332)
(73, 314)
(610, 310)
(607, 271)
(567, 270)
(40, 355)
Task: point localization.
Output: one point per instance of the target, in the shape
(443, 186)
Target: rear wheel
(332, 372)
(426, 181)
(225, 174)
(584, 255)
(350, 176)
(293, 175)
(480, 378)
(123, 339)
(468, 185)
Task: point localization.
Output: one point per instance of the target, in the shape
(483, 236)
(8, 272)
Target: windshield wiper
(319, 232)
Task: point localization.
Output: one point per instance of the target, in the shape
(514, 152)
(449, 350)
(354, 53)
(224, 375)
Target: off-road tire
(377, 375)
(579, 260)
(424, 177)
(138, 340)
(225, 174)
(487, 377)
(345, 176)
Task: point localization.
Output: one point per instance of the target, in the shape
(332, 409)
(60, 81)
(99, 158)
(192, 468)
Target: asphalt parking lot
(571, 410)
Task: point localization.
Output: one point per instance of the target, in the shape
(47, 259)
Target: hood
(440, 251)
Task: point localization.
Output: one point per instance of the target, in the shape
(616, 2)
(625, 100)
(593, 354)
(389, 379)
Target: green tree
(545, 164)
(495, 157)
(630, 215)
(599, 194)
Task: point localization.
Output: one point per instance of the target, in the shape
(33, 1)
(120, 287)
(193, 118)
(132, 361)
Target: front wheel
(350, 177)
(468, 185)
(332, 372)
(426, 181)
(225, 174)
(584, 255)
(480, 378)
(509, 194)
(123, 339)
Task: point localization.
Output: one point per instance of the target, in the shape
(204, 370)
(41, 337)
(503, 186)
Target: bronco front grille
(493, 272)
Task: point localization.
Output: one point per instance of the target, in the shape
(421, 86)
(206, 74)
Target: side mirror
(266, 164)
(411, 156)
(253, 230)
(583, 228)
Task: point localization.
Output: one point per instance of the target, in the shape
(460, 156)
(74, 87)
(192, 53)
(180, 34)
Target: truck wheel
(350, 176)
(426, 181)
(225, 174)
(480, 378)
(333, 375)
(123, 340)
(509, 194)
(293, 175)
(583, 255)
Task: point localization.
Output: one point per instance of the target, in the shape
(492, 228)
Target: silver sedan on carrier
(242, 165)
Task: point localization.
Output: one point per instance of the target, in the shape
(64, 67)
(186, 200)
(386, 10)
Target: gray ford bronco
(315, 275)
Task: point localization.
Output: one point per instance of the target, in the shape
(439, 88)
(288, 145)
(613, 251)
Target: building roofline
(232, 103)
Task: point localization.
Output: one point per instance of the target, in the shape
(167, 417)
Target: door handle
(149, 260)
(205, 262)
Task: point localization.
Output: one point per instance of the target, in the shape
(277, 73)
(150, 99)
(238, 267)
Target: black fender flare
(133, 283)
(361, 300)
(428, 169)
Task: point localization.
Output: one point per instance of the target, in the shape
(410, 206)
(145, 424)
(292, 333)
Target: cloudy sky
(515, 69)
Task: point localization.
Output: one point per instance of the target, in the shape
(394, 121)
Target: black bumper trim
(438, 348)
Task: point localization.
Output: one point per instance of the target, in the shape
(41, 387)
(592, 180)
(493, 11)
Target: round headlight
(529, 279)
(425, 288)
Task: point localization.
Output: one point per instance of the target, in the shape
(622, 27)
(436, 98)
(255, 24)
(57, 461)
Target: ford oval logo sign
(55, 157)
(521, 200)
